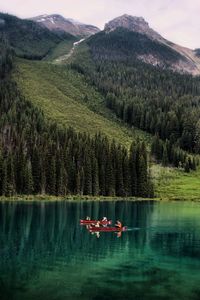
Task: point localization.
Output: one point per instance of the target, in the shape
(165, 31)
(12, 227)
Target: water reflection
(46, 254)
(38, 235)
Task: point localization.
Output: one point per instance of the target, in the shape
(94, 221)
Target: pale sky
(176, 20)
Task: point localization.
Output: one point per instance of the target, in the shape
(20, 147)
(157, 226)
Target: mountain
(122, 44)
(58, 23)
(135, 24)
(145, 95)
(27, 38)
(188, 61)
(102, 86)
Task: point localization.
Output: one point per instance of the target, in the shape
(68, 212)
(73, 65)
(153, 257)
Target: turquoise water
(46, 254)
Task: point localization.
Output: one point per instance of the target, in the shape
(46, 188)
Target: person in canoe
(95, 225)
(104, 220)
(118, 225)
(88, 219)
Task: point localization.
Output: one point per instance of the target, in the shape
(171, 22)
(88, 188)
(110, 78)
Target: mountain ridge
(51, 30)
(27, 38)
(190, 63)
(58, 23)
(133, 23)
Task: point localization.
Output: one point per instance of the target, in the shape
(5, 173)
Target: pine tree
(119, 174)
(165, 159)
(142, 178)
(197, 137)
(102, 179)
(78, 183)
(28, 182)
(110, 176)
(95, 178)
(88, 176)
(133, 171)
(51, 177)
(5, 178)
(61, 180)
(187, 166)
(141, 167)
(126, 176)
(36, 171)
(20, 170)
(10, 177)
(194, 163)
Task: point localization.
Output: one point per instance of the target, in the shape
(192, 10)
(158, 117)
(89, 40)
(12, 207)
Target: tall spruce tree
(36, 171)
(51, 176)
(95, 177)
(133, 170)
(119, 174)
(165, 158)
(28, 179)
(88, 176)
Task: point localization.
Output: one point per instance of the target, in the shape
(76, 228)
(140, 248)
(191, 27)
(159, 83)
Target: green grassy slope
(65, 97)
(61, 49)
(173, 184)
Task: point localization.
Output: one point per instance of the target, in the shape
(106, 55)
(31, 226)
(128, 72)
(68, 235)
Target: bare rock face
(190, 61)
(136, 24)
(59, 23)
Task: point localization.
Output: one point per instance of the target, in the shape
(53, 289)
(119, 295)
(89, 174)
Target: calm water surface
(46, 254)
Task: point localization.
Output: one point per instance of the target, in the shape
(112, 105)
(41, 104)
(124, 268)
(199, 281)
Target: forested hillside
(163, 103)
(121, 44)
(39, 157)
(67, 99)
(68, 129)
(27, 38)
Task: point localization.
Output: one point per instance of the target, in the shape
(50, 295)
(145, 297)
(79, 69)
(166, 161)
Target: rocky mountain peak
(57, 22)
(132, 23)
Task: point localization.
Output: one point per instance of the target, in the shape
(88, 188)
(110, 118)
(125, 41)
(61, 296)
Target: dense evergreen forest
(38, 157)
(164, 103)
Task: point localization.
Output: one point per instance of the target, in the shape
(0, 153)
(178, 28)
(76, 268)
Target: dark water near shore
(45, 254)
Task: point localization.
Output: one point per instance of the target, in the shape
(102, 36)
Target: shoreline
(71, 198)
(78, 198)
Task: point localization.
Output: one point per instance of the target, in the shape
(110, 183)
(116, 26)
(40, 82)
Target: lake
(46, 254)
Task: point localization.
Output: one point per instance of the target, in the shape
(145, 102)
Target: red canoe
(107, 229)
(89, 222)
